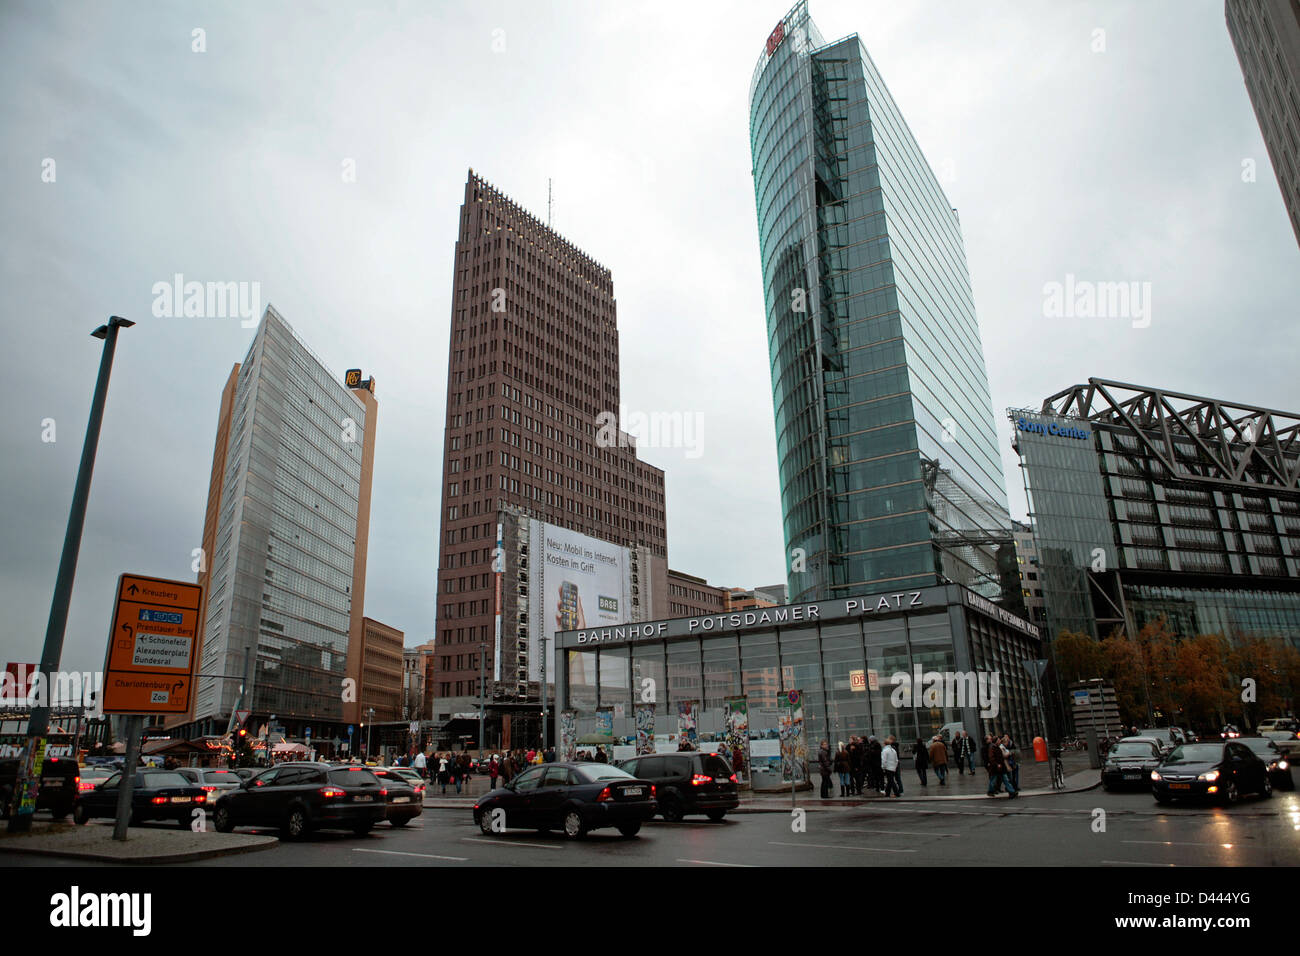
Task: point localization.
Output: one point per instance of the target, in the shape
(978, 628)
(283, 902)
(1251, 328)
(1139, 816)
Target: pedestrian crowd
(866, 763)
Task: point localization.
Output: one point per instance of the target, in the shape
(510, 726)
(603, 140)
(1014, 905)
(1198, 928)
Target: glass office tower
(886, 444)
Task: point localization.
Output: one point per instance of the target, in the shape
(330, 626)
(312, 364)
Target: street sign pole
(38, 724)
(125, 789)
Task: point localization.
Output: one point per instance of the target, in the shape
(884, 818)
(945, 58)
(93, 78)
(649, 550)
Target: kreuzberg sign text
(715, 623)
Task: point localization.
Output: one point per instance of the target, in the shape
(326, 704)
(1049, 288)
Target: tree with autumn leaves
(1202, 681)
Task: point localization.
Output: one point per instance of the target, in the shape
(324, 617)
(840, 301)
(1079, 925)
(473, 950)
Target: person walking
(964, 751)
(889, 766)
(494, 770)
(444, 772)
(921, 760)
(601, 756)
(842, 768)
(939, 759)
(996, 764)
(875, 774)
(421, 765)
(1012, 760)
(824, 765)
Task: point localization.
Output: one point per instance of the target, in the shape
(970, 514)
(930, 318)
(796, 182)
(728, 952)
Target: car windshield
(161, 778)
(1196, 753)
(221, 776)
(353, 777)
(1260, 745)
(1132, 748)
(715, 766)
(593, 773)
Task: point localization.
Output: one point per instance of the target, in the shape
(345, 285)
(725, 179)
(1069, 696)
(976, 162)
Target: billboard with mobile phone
(585, 583)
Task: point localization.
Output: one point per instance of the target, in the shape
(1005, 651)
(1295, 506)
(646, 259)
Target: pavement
(1034, 780)
(145, 844)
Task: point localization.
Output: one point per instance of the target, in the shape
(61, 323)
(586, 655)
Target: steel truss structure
(1195, 438)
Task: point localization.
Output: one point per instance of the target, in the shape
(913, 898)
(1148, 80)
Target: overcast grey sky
(225, 165)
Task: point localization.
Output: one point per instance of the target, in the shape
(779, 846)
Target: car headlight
(1155, 775)
(1210, 777)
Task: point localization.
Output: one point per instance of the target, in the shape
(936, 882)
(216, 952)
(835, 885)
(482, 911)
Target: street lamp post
(370, 712)
(38, 724)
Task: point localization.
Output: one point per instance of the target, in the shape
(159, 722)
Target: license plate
(633, 791)
(181, 799)
(52, 783)
(719, 779)
(365, 799)
(1132, 776)
(401, 799)
(1180, 786)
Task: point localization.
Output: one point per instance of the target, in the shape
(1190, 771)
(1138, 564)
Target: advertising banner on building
(687, 732)
(645, 728)
(794, 748)
(498, 568)
(577, 581)
(568, 735)
(737, 731)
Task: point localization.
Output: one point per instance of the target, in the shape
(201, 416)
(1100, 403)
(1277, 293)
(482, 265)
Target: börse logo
(775, 39)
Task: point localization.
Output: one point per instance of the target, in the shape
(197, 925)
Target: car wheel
(574, 826)
(716, 815)
(485, 824)
(1267, 792)
(361, 829)
(630, 829)
(671, 808)
(295, 826)
(1230, 794)
(221, 820)
(80, 815)
(400, 821)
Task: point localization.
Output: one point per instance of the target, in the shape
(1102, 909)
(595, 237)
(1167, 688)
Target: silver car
(214, 780)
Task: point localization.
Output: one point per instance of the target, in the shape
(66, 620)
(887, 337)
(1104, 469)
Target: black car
(157, 795)
(1216, 771)
(60, 778)
(688, 783)
(1129, 764)
(403, 804)
(574, 797)
(299, 797)
(1279, 768)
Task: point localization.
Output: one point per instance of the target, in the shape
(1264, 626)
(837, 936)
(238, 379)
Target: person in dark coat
(996, 762)
(922, 760)
(875, 776)
(842, 771)
(825, 764)
(857, 765)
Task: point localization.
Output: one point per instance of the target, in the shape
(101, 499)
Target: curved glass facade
(886, 444)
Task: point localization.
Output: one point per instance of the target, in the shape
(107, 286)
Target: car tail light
(158, 800)
(700, 779)
(733, 779)
(652, 789)
(603, 796)
(201, 798)
(85, 784)
(208, 788)
(332, 793)
(383, 791)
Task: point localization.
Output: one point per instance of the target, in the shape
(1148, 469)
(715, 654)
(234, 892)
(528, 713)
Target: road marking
(539, 846)
(894, 832)
(1222, 846)
(427, 856)
(715, 863)
(1132, 863)
(838, 846)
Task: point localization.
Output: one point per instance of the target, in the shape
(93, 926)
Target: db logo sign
(858, 680)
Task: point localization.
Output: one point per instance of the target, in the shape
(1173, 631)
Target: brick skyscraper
(533, 360)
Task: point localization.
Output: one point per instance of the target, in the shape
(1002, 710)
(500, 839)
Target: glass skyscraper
(889, 470)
